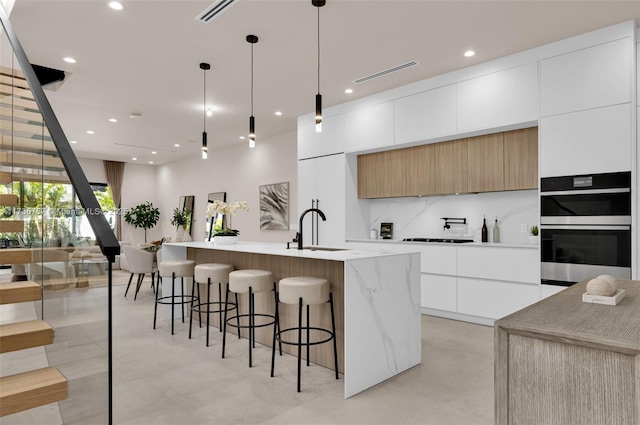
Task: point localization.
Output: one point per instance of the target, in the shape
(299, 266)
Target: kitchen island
(376, 296)
(562, 361)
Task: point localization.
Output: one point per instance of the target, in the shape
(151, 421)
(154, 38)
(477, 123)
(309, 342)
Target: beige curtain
(115, 172)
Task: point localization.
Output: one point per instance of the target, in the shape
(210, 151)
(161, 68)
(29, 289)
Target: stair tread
(17, 292)
(9, 200)
(31, 389)
(23, 335)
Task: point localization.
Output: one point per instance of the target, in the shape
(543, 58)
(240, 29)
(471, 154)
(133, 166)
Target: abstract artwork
(274, 206)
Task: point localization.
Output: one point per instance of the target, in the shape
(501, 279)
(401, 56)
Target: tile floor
(163, 379)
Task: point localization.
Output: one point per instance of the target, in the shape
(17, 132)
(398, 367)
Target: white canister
(373, 234)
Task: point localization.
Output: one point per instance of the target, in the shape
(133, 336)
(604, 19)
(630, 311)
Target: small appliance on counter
(386, 230)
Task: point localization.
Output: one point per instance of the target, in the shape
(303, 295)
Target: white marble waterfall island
(376, 296)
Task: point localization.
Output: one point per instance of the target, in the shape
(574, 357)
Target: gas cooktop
(442, 240)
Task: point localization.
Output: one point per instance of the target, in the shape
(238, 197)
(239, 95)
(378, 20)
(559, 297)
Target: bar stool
(307, 291)
(210, 273)
(251, 282)
(174, 269)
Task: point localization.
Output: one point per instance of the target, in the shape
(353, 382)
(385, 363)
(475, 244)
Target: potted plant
(181, 218)
(143, 216)
(533, 235)
(226, 235)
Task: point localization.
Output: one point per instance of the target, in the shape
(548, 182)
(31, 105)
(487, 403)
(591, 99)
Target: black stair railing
(99, 224)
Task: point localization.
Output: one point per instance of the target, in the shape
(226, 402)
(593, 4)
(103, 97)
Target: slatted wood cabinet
(489, 163)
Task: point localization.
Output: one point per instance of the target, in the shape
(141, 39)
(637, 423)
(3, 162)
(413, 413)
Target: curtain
(115, 172)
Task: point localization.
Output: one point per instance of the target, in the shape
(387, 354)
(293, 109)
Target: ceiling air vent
(385, 72)
(212, 12)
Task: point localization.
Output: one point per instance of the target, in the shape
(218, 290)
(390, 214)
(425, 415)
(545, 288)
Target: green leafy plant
(228, 210)
(143, 216)
(181, 217)
(533, 231)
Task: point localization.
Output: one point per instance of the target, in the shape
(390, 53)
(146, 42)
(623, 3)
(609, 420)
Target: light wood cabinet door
(450, 164)
(420, 171)
(382, 174)
(521, 159)
(485, 160)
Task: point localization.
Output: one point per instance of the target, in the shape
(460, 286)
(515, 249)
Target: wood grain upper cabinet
(420, 170)
(450, 166)
(485, 161)
(521, 159)
(382, 174)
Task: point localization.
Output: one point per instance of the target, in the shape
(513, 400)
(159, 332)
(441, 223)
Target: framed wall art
(274, 206)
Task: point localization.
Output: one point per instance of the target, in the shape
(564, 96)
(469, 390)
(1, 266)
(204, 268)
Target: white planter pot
(533, 240)
(225, 240)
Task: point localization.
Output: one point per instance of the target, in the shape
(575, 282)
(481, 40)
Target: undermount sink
(323, 248)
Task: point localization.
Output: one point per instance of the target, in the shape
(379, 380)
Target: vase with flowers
(181, 219)
(225, 234)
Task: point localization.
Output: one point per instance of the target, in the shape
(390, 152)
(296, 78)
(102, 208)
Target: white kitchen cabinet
(368, 128)
(493, 299)
(498, 99)
(330, 140)
(439, 292)
(437, 259)
(513, 265)
(321, 183)
(585, 142)
(587, 78)
(425, 115)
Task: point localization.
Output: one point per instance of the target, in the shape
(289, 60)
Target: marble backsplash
(421, 217)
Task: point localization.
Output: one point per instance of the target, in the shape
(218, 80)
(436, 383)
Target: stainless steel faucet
(453, 220)
(320, 213)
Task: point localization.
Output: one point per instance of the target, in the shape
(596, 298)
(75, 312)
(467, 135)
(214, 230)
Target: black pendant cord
(204, 100)
(318, 50)
(252, 79)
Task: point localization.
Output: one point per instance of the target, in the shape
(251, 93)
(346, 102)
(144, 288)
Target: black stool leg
(224, 323)
(335, 342)
(182, 296)
(220, 304)
(299, 340)
(208, 306)
(173, 298)
(129, 284)
(251, 335)
(153, 286)
(277, 318)
(155, 307)
(199, 304)
(308, 335)
(276, 327)
(237, 315)
(191, 314)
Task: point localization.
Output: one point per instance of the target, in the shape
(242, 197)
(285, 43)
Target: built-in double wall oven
(585, 227)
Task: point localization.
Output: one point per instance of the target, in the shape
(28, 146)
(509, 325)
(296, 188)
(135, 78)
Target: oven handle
(603, 220)
(560, 227)
(586, 192)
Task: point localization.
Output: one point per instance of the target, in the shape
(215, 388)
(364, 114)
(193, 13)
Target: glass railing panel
(48, 237)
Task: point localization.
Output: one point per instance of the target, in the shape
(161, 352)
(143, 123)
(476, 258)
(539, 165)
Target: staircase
(26, 154)
(35, 388)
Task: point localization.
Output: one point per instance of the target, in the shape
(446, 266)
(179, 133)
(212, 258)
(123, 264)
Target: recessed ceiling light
(69, 59)
(241, 137)
(153, 152)
(113, 120)
(278, 113)
(348, 91)
(73, 141)
(116, 5)
(150, 162)
(134, 159)
(469, 53)
(177, 145)
(91, 132)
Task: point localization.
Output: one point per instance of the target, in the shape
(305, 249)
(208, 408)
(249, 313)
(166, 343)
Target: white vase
(225, 240)
(182, 235)
(533, 240)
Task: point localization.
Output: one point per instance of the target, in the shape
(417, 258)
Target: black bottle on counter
(485, 232)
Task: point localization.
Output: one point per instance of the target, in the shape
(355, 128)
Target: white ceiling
(145, 59)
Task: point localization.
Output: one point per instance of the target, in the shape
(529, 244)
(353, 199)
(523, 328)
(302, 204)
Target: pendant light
(252, 39)
(318, 4)
(204, 67)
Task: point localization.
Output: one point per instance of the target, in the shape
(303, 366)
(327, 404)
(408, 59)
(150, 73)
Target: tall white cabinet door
(425, 115)
(592, 141)
(323, 180)
(369, 127)
(587, 78)
(330, 183)
(502, 98)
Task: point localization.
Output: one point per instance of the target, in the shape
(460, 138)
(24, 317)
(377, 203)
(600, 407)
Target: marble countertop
(466, 244)
(338, 254)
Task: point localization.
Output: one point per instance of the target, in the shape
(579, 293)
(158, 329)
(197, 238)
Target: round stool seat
(312, 290)
(181, 268)
(214, 271)
(258, 280)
